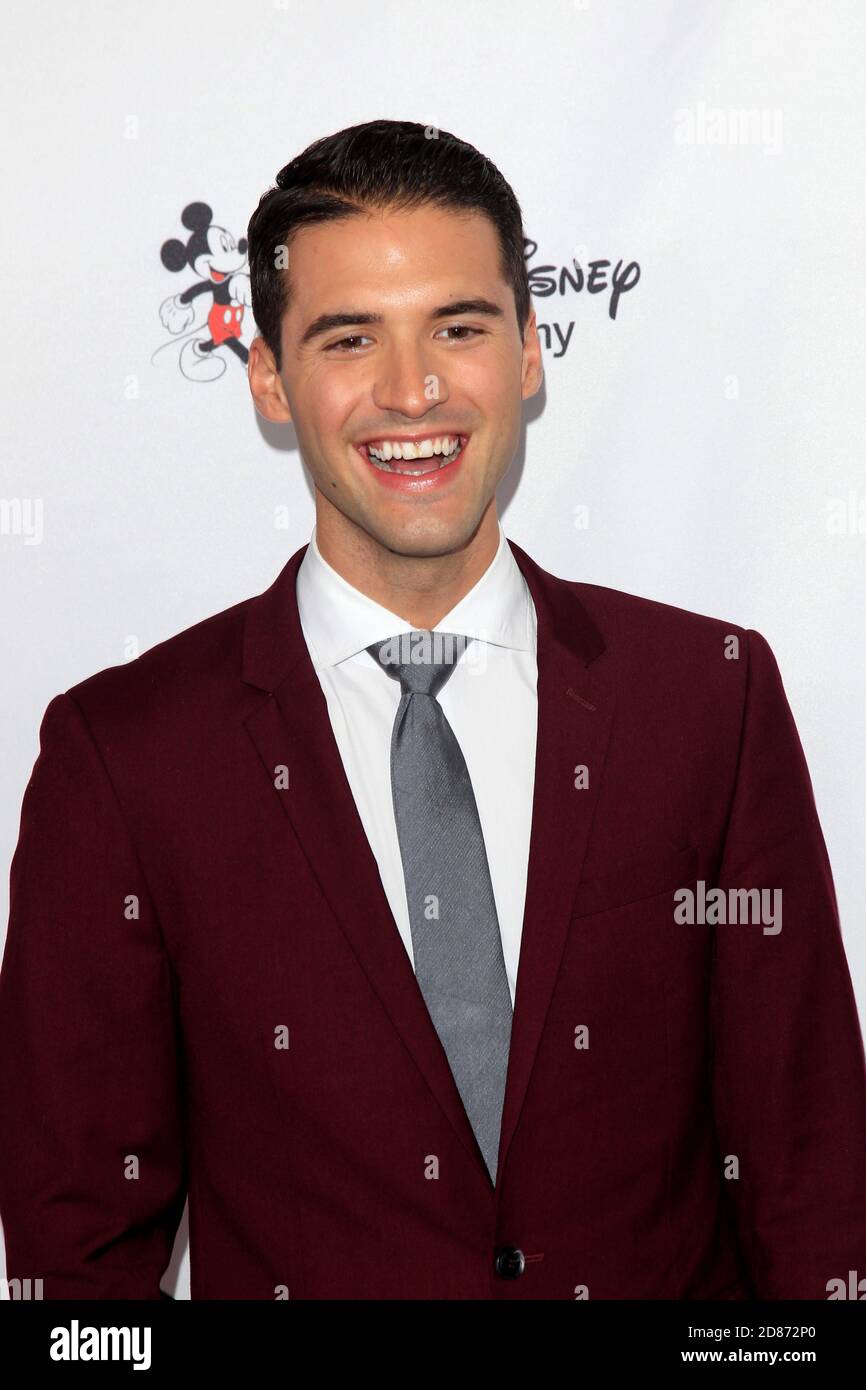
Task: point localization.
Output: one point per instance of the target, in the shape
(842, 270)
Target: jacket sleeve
(789, 1082)
(92, 1169)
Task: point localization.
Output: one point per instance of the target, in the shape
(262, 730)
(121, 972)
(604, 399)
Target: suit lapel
(575, 712)
(291, 729)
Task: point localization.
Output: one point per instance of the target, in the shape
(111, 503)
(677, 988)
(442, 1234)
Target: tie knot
(421, 661)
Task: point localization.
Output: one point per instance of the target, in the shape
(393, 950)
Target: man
(446, 929)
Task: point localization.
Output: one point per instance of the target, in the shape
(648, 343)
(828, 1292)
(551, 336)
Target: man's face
(401, 364)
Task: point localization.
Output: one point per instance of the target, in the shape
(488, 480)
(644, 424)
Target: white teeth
(448, 446)
(444, 444)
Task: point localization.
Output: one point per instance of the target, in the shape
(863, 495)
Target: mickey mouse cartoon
(217, 258)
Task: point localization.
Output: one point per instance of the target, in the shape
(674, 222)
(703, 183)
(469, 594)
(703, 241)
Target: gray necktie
(455, 930)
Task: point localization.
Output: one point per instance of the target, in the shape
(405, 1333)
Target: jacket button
(509, 1262)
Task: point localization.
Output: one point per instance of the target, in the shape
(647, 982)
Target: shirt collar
(338, 620)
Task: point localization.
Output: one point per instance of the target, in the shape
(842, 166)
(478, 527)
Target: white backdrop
(713, 429)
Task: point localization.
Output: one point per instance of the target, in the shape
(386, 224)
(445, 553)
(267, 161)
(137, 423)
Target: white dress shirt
(490, 701)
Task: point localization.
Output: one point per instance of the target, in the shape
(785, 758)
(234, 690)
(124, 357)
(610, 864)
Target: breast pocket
(653, 873)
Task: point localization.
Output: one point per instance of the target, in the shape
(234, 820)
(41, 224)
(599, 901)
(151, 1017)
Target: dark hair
(399, 164)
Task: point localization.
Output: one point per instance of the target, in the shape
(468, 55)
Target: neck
(421, 589)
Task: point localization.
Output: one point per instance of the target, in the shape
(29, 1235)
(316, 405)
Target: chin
(425, 540)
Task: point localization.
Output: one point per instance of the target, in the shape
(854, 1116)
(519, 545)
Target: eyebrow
(357, 318)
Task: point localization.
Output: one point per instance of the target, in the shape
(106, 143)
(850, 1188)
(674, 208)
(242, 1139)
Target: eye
(345, 344)
(352, 338)
(461, 328)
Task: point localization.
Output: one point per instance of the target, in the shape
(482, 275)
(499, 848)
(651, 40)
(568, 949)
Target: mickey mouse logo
(217, 259)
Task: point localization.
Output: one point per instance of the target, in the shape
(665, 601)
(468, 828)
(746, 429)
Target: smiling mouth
(417, 467)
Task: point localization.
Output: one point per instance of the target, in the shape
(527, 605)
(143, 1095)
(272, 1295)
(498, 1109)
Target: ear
(172, 253)
(532, 370)
(266, 387)
(197, 217)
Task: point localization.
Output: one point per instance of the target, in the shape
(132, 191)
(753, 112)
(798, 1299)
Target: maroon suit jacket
(685, 1114)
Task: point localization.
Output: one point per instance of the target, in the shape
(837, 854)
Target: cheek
(327, 402)
(491, 381)
(503, 416)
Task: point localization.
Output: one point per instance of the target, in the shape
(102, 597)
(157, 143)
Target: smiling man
(356, 911)
(405, 389)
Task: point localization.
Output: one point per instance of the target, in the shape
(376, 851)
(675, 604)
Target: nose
(406, 383)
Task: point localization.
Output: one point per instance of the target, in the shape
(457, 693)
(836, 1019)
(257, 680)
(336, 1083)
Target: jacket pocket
(653, 873)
